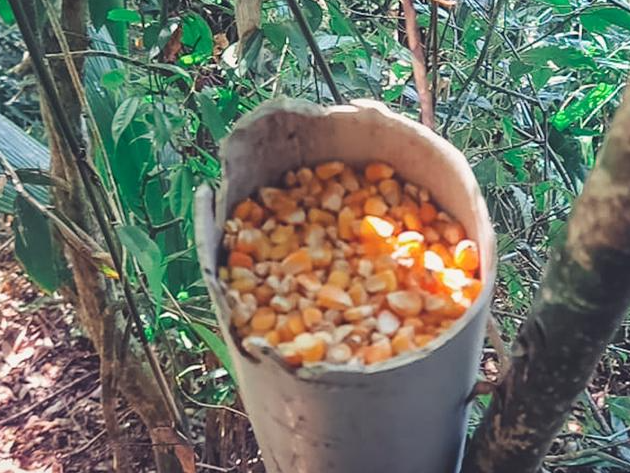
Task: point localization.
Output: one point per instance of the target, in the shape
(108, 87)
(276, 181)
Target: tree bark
(583, 298)
(94, 295)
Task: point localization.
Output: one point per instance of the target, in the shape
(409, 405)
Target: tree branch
(583, 298)
(419, 65)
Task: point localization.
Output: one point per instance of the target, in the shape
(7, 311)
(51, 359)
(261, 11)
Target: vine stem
(322, 65)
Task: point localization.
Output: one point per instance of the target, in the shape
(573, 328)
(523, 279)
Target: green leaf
(600, 20)
(34, 176)
(620, 407)
(124, 116)
(6, 14)
(197, 34)
(518, 69)
(566, 56)
(35, 248)
(114, 78)
(313, 13)
(125, 15)
(148, 255)
(217, 346)
(559, 6)
(490, 172)
(211, 116)
(581, 108)
(540, 76)
(162, 128)
(180, 195)
(176, 70)
(343, 26)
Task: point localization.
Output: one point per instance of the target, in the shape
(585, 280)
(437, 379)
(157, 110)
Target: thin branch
(322, 65)
(419, 65)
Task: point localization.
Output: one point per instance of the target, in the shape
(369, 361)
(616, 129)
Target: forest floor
(50, 412)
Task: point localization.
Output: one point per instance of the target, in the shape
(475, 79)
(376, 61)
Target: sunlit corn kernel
(289, 353)
(241, 315)
(281, 304)
(304, 176)
(454, 279)
(375, 227)
(358, 294)
(341, 265)
(279, 252)
(354, 314)
(339, 353)
(297, 262)
(305, 303)
(383, 281)
(432, 261)
(328, 170)
(321, 257)
(314, 235)
(349, 179)
(405, 303)
(321, 217)
(311, 316)
(467, 255)
(375, 172)
(472, 289)
(264, 319)
(453, 232)
(379, 351)
(339, 278)
(375, 206)
(287, 285)
(333, 297)
(310, 348)
(387, 323)
(390, 190)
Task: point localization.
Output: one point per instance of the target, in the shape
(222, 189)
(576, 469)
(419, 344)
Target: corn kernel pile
(346, 267)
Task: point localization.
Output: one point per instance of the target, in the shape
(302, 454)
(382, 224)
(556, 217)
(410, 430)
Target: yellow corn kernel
(276, 199)
(412, 221)
(357, 197)
(304, 176)
(328, 170)
(273, 338)
(427, 212)
(339, 353)
(453, 232)
(289, 353)
(385, 281)
(402, 342)
(378, 351)
(349, 180)
(375, 172)
(467, 255)
(296, 324)
(373, 227)
(264, 319)
(297, 262)
(309, 282)
(243, 285)
(314, 235)
(375, 206)
(390, 190)
(310, 348)
(405, 303)
(321, 217)
(333, 297)
(312, 316)
(321, 257)
(358, 294)
(339, 278)
(280, 252)
(248, 239)
(354, 314)
(423, 339)
(344, 224)
(282, 234)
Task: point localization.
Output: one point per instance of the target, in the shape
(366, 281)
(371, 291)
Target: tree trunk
(95, 296)
(583, 298)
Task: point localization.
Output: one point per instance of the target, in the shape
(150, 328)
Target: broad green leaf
(197, 35)
(124, 116)
(35, 247)
(180, 195)
(473, 32)
(148, 255)
(228, 103)
(313, 13)
(176, 70)
(124, 15)
(162, 128)
(118, 29)
(540, 76)
(518, 69)
(113, 79)
(211, 116)
(6, 14)
(620, 407)
(344, 27)
(599, 20)
(217, 346)
(581, 108)
(567, 56)
(490, 172)
(559, 6)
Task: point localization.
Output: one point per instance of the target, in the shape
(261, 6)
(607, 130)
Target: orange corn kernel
(385, 281)
(378, 351)
(321, 257)
(263, 294)
(453, 232)
(310, 348)
(454, 279)
(279, 252)
(357, 197)
(373, 227)
(423, 339)
(256, 214)
(405, 303)
(443, 252)
(390, 190)
(349, 180)
(328, 170)
(472, 290)
(296, 324)
(312, 316)
(273, 338)
(339, 353)
(427, 212)
(309, 282)
(243, 285)
(402, 342)
(282, 234)
(264, 319)
(243, 209)
(412, 221)
(344, 224)
(240, 259)
(358, 294)
(354, 314)
(339, 278)
(414, 322)
(248, 239)
(333, 297)
(378, 171)
(297, 262)
(321, 217)
(375, 206)
(332, 198)
(289, 353)
(467, 255)
(431, 235)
